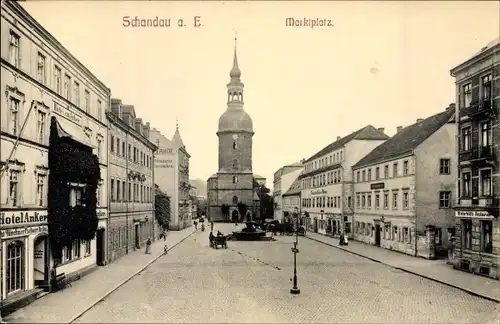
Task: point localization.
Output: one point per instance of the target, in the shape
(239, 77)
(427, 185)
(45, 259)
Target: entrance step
(20, 300)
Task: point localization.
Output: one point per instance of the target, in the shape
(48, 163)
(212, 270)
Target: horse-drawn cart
(215, 241)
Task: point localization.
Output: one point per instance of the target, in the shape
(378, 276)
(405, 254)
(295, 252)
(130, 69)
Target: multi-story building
(48, 97)
(327, 180)
(131, 181)
(283, 179)
(193, 197)
(291, 200)
(171, 165)
(403, 188)
(477, 236)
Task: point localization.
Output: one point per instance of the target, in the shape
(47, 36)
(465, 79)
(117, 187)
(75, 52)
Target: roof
(366, 133)
(408, 139)
(488, 46)
(294, 189)
(256, 176)
(296, 164)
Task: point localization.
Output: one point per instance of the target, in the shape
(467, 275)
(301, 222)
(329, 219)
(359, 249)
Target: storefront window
(467, 233)
(486, 233)
(15, 267)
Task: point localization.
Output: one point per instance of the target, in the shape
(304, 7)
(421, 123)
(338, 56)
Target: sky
(381, 63)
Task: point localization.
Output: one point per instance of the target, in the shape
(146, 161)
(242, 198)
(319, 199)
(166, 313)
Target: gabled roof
(177, 139)
(366, 133)
(294, 188)
(408, 139)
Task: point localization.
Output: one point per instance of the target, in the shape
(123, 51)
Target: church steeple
(235, 86)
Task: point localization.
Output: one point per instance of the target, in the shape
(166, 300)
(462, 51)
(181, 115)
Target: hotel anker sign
(22, 218)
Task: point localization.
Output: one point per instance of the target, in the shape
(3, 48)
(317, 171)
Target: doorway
(234, 216)
(99, 245)
(377, 234)
(137, 237)
(40, 261)
(315, 225)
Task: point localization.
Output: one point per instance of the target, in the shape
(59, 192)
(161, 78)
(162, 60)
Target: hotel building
(403, 188)
(283, 179)
(131, 181)
(43, 85)
(477, 236)
(327, 179)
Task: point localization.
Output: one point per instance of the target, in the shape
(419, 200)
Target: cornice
(129, 130)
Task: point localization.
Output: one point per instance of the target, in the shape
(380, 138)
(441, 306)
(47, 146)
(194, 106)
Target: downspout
(127, 194)
(416, 213)
(108, 221)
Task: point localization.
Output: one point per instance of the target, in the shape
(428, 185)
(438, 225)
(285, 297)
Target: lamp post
(295, 290)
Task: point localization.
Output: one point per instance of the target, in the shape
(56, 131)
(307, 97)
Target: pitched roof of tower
(408, 139)
(366, 133)
(177, 139)
(235, 71)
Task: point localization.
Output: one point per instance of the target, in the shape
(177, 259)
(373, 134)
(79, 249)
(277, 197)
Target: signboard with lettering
(67, 113)
(101, 213)
(474, 214)
(14, 232)
(162, 161)
(20, 218)
(319, 192)
(377, 186)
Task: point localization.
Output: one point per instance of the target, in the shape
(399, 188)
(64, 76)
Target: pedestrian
(211, 226)
(148, 246)
(165, 249)
(164, 235)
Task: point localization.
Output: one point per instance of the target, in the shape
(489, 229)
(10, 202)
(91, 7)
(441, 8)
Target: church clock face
(235, 137)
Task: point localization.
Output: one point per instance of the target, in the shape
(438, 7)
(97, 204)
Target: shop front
(25, 255)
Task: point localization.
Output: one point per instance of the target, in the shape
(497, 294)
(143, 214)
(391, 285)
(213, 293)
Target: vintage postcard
(250, 162)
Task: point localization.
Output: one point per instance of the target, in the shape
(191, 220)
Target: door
(137, 236)
(234, 216)
(315, 225)
(40, 259)
(377, 235)
(99, 245)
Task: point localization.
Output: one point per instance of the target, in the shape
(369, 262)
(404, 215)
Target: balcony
(483, 109)
(482, 153)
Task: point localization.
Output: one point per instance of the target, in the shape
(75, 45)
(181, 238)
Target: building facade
(283, 179)
(404, 189)
(172, 176)
(291, 200)
(327, 190)
(131, 212)
(42, 85)
(234, 184)
(477, 228)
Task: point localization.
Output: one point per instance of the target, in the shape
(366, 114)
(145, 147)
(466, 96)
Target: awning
(68, 129)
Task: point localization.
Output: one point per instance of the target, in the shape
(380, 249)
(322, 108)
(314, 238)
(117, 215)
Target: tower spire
(235, 71)
(177, 123)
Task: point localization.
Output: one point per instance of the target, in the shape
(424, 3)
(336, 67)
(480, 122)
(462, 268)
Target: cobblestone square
(249, 282)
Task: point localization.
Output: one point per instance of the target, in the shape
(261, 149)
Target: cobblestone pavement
(250, 281)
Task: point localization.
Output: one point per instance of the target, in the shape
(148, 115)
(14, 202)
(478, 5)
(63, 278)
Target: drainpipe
(416, 213)
(127, 153)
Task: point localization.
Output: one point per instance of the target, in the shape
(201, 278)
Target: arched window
(235, 179)
(235, 146)
(235, 200)
(235, 164)
(235, 96)
(241, 97)
(15, 266)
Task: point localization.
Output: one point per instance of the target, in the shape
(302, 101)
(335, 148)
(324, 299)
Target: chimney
(138, 125)
(302, 161)
(146, 129)
(451, 106)
(381, 129)
(419, 120)
(116, 107)
(338, 137)
(398, 129)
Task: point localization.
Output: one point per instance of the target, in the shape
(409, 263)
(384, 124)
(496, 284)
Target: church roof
(235, 70)
(235, 120)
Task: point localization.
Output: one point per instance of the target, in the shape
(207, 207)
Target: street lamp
(295, 290)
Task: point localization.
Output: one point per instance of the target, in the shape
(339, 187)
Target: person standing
(148, 246)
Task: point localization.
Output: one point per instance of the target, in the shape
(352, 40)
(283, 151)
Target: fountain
(250, 233)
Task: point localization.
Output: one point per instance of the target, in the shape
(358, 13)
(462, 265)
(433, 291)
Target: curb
(470, 292)
(74, 318)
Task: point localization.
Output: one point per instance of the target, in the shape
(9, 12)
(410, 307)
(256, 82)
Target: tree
(266, 200)
(225, 211)
(162, 207)
(242, 209)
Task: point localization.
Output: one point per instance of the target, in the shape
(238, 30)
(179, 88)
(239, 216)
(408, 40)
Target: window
(14, 187)
(357, 201)
(486, 236)
(466, 184)
(118, 146)
(129, 152)
(99, 110)
(369, 201)
(466, 138)
(486, 134)
(406, 235)
(112, 143)
(98, 194)
(129, 197)
(112, 190)
(438, 235)
(86, 101)
(40, 72)
(41, 122)
(357, 176)
(40, 189)
(14, 57)
(14, 115)
(76, 195)
(15, 267)
(467, 95)
(444, 166)
(485, 182)
(235, 146)
(118, 192)
(99, 148)
(235, 179)
(370, 174)
(405, 168)
(377, 173)
(123, 149)
(486, 87)
(395, 169)
(467, 233)
(395, 197)
(377, 201)
(386, 171)
(67, 83)
(363, 201)
(57, 79)
(76, 248)
(235, 164)
(444, 199)
(386, 200)
(364, 175)
(235, 200)
(406, 201)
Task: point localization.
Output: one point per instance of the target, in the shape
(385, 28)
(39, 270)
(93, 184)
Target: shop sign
(319, 192)
(67, 113)
(377, 186)
(19, 218)
(14, 232)
(474, 214)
